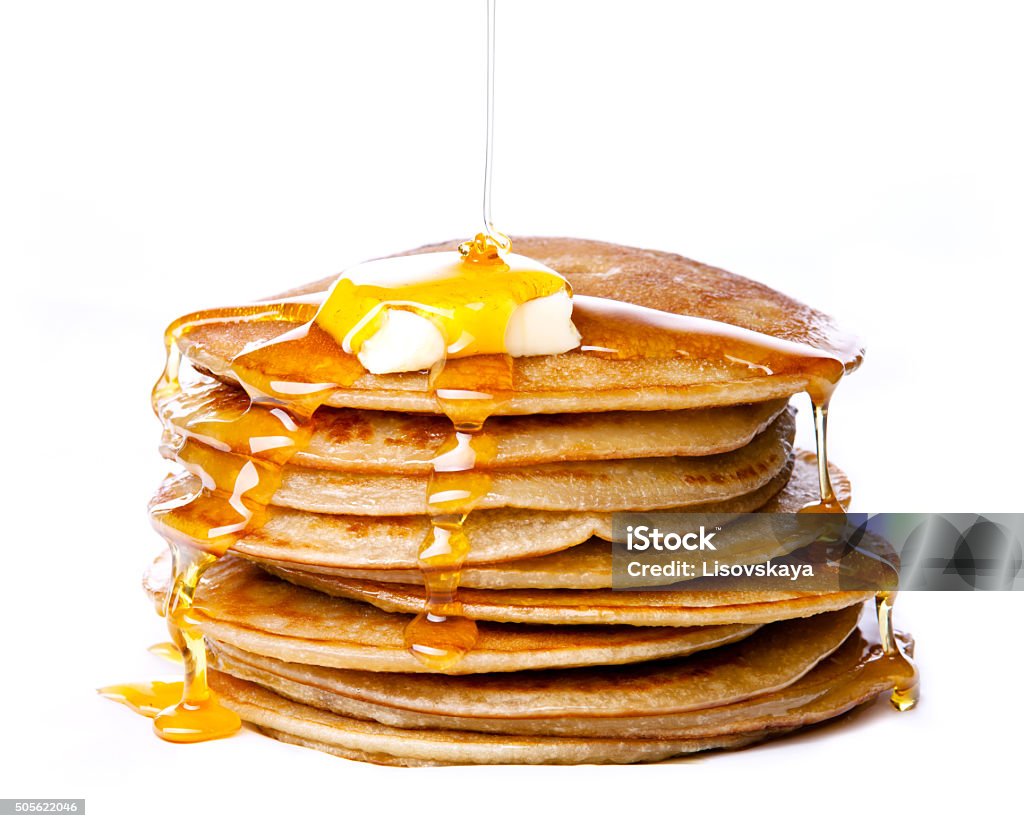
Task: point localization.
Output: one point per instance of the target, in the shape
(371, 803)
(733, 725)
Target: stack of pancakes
(304, 618)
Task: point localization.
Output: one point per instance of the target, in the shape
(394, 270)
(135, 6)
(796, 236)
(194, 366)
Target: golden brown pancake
(241, 605)
(371, 742)
(581, 381)
(396, 721)
(598, 485)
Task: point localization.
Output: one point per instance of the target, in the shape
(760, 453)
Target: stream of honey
(233, 453)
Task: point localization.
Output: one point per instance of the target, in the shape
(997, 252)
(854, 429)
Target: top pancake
(581, 381)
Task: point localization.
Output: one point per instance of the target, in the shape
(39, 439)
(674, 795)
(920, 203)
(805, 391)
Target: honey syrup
(906, 690)
(468, 391)
(233, 450)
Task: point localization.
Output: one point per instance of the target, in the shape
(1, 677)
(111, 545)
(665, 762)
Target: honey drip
(613, 330)
(468, 392)
(197, 715)
(616, 330)
(906, 691)
(182, 711)
(233, 455)
(821, 395)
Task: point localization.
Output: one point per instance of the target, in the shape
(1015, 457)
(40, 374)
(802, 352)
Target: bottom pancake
(854, 674)
(368, 741)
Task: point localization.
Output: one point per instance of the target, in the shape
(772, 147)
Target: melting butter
(409, 313)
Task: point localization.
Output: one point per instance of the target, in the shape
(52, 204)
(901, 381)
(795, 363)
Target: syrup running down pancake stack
(416, 568)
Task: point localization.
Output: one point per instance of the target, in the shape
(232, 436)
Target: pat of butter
(542, 326)
(410, 312)
(404, 341)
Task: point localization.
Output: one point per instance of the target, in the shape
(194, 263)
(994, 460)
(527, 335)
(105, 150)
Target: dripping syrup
(906, 690)
(233, 456)
(468, 392)
(233, 451)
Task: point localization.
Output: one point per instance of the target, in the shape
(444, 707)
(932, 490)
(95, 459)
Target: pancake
(656, 608)
(324, 543)
(581, 381)
(854, 674)
(585, 566)
(371, 742)
(383, 442)
(354, 440)
(237, 603)
(600, 485)
(771, 659)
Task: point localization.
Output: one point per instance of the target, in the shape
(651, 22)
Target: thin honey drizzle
(490, 234)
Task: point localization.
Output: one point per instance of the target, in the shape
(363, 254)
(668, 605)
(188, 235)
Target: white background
(156, 157)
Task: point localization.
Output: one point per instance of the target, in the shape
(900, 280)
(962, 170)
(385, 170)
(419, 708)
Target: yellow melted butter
(469, 296)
